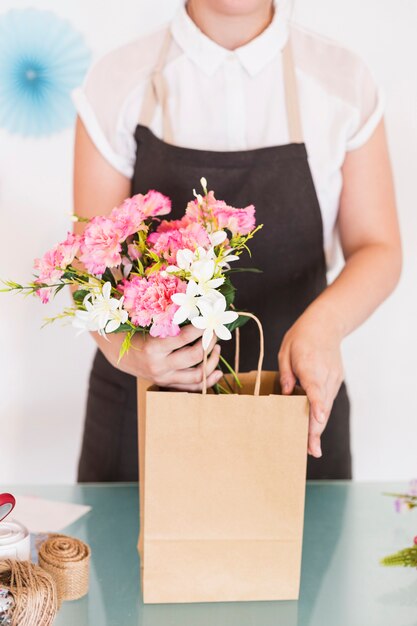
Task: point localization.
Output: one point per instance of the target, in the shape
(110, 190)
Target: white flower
(198, 196)
(184, 259)
(213, 319)
(218, 237)
(201, 253)
(103, 313)
(187, 302)
(224, 261)
(202, 272)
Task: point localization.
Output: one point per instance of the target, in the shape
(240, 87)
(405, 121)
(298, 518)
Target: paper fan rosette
(42, 58)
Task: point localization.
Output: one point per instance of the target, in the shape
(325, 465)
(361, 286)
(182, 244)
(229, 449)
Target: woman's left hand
(310, 352)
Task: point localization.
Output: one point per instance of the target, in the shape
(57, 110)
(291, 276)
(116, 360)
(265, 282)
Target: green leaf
(125, 328)
(404, 558)
(124, 348)
(141, 269)
(228, 291)
(10, 286)
(235, 270)
(79, 295)
(238, 323)
(58, 289)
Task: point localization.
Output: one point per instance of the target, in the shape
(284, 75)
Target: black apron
(289, 251)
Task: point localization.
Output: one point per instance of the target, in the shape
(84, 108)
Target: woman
(230, 91)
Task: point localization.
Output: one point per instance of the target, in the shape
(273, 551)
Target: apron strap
(292, 101)
(157, 93)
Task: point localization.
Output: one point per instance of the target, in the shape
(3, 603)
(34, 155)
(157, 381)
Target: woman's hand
(174, 362)
(310, 352)
(169, 362)
(370, 241)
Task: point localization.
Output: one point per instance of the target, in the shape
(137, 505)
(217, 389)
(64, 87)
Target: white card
(46, 516)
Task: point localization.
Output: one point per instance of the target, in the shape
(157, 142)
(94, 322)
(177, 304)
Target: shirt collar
(209, 55)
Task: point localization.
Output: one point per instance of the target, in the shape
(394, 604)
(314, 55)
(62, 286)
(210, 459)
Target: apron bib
(288, 250)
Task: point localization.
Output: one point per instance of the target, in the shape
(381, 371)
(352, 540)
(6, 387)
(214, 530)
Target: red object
(7, 503)
(415, 540)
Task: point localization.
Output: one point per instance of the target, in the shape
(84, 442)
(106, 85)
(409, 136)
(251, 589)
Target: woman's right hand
(169, 362)
(174, 362)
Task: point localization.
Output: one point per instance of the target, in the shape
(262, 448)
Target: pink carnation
(54, 263)
(148, 302)
(44, 294)
(48, 268)
(155, 203)
(169, 238)
(168, 225)
(128, 218)
(101, 245)
(238, 221)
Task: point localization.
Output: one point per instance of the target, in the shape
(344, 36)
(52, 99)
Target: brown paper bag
(222, 486)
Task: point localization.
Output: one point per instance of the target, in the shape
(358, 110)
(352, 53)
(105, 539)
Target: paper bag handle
(260, 360)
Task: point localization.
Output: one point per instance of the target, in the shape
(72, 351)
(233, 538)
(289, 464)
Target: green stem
(231, 370)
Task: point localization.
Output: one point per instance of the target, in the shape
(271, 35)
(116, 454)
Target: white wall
(43, 373)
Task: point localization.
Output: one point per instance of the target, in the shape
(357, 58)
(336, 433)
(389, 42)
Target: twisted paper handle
(260, 360)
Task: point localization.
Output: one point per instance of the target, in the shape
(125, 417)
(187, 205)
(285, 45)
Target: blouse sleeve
(102, 103)
(368, 107)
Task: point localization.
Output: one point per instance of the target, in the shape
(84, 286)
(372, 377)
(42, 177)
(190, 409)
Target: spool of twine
(68, 561)
(33, 591)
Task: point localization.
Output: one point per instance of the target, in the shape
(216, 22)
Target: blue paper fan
(42, 58)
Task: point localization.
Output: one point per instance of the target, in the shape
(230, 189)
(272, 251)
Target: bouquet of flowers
(404, 502)
(135, 271)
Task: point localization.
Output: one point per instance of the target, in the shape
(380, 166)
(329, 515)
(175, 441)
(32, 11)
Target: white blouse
(223, 100)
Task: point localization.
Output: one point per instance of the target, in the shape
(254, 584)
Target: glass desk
(348, 528)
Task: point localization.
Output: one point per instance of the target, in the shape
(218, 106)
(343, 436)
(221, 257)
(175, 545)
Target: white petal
(203, 270)
(229, 316)
(106, 290)
(199, 322)
(222, 332)
(205, 306)
(207, 337)
(199, 253)
(229, 258)
(113, 304)
(112, 326)
(192, 288)
(214, 283)
(194, 312)
(181, 315)
(211, 295)
(172, 268)
(184, 258)
(218, 237)
(179, 298)
(219, 305)
(102, 319)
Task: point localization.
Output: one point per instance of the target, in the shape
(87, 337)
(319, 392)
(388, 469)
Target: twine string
(33, 591)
